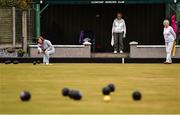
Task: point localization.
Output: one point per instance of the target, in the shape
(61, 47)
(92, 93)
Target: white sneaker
(121, 52)
(115, 52)
(47, 63)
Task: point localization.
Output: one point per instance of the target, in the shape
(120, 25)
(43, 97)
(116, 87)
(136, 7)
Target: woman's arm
(124, 30)
(50, 46)
(39, 49)
(113, 26)
(173, 33)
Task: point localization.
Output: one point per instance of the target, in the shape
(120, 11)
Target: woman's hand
(124, 35)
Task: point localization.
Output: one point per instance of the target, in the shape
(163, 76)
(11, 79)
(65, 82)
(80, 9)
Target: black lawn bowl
(136, 96)
(111, 87)
(34, 62)
(25, 96)
(15, 62)
(7, 62)
(71, 93)
(77, 95)
(106, 91)
(38, 61)
(65, 91)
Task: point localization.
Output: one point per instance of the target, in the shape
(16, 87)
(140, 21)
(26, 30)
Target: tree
(23, 4)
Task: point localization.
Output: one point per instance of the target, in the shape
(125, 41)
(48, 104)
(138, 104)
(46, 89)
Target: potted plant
(20, 53)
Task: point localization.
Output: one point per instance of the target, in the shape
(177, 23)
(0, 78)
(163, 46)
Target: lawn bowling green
(159, 85)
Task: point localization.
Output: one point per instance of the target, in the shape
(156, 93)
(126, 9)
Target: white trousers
(169, 46)
(46, 55)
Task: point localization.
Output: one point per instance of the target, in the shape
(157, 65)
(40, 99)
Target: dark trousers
(118, 41)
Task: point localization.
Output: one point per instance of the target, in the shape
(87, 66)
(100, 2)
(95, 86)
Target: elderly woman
(118, 33)
(169, 37)
(46, 48)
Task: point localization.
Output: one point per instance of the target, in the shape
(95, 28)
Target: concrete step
(109, 55)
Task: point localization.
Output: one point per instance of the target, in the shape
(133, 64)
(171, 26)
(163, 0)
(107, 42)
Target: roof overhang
(107, 1)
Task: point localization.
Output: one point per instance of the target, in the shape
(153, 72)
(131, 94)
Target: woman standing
(169, 37)
(118, 33)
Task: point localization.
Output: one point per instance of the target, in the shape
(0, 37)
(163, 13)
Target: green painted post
(38, 20)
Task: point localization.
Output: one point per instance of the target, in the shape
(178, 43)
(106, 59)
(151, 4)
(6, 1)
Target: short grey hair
(166, 22)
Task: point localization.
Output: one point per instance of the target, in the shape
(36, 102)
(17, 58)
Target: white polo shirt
(169, 34)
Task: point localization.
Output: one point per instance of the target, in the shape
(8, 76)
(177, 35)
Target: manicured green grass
(158, 83)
